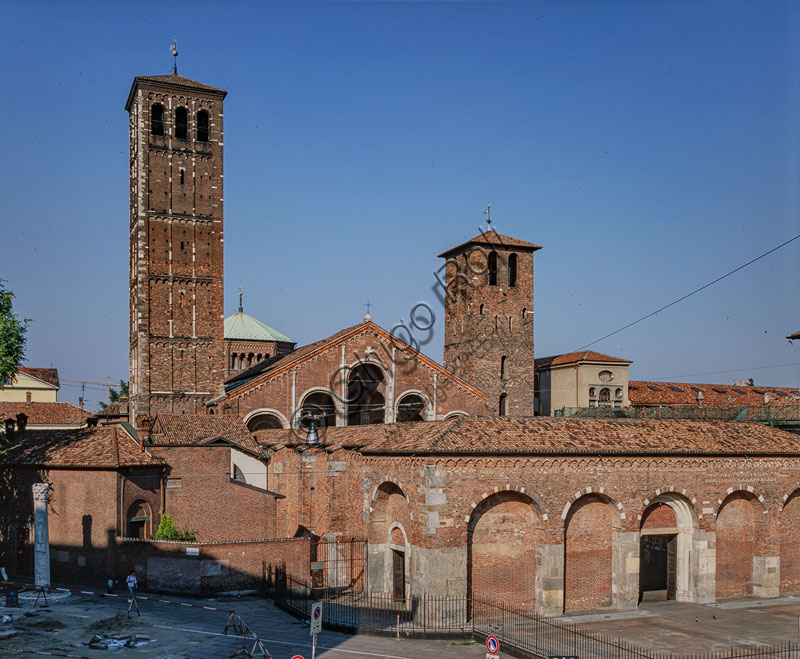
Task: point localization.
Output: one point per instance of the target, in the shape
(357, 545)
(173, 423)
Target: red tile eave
(514, 243)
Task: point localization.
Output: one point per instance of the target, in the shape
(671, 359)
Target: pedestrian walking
(132, 582)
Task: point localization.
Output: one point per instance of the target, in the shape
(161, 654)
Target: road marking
(300, 644)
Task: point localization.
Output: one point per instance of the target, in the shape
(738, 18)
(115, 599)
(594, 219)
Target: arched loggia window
(181, 124)
(491, 268)
(157, 119)
(512, 270)
(202, 126)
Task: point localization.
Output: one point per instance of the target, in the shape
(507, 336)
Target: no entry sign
(316, 618)
(492, 645)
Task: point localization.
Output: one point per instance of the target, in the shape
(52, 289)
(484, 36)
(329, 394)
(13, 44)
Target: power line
(732, 370)
(697, 290)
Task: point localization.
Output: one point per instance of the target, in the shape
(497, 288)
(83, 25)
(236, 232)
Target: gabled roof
(552, 436)
(173, 80)
(46, 414)
(243, 326)
(273, 367)
(200, 429)
(577, 357)
(493, 239)
(650, 392)
(48, 375)
(107, 447)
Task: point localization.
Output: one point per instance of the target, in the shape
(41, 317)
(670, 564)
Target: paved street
(183, 632)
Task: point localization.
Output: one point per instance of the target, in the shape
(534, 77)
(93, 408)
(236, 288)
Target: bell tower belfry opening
(489, 319)
(176, 260)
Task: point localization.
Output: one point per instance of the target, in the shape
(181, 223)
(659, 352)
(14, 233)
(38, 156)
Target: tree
(12, 336)
(118, 394)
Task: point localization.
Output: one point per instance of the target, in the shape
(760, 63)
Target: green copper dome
(242, 326)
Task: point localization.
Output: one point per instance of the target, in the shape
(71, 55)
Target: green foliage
(168, 531)
(118, 394)
(12, 336)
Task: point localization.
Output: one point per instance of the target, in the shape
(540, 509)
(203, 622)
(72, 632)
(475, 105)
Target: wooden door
(672, 566)
(398, 575)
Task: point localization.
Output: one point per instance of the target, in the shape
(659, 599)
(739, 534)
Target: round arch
(389, 542)
(737, 541)
(254, 414)
(365, 393)
(503, 531)
(314, 401)
(139, 520)
(790, 542)
(455, 414)
(405, 412)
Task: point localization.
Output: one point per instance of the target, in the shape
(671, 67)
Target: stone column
(705, 545)
(41, 546)
(766, 576)
(549, 580)
(625, 570)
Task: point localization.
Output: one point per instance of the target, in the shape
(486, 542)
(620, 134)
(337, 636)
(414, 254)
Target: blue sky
(648, 146)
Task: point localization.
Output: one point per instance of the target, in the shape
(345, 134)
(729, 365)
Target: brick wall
(587, 568)
(199, 495)
(502, 550)
(659, 516)
(736, 545)
(790, 545)
(484, 323)
(176, 253)
(286, 393)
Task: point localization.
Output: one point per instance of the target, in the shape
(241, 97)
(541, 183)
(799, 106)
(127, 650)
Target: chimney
(10, 423)
(699, 399)
(22, 422)
(80, 402)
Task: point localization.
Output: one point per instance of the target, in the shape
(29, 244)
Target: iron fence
(769, 414)
(520, 632)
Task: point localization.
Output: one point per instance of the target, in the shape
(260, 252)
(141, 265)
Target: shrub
(168, 531)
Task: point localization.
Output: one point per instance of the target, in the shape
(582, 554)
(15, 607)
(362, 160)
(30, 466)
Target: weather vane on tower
(174, 49)
(488, 213)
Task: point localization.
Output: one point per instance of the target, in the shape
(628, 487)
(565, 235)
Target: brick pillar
(625, 570)
(549, 580)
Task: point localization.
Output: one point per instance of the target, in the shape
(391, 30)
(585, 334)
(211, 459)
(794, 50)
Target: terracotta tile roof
(194, 429)
(105, 447)
(271, 367)
(174, 80)
(117, 408)
(49, 375)
(493, 239)
(554, 436)
(575, 357)
(46, 414)
(648, 392)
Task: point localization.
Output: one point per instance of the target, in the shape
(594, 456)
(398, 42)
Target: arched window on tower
(501, 407)
(202, 126)
(491, 268)
(512, 270)
(157, 119)
(181, 124)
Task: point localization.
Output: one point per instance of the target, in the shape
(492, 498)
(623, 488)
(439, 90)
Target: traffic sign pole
(315, 626)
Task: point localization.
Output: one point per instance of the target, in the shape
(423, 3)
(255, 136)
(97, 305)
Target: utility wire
(697, 290)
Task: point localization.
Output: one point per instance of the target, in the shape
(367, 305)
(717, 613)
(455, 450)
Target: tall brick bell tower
(176, 291)
(488, 330)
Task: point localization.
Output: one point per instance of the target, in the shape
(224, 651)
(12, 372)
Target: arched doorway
(588, 554)
(139, 520)
(736, 545)
(666, 549)
(365, 397)
(389, 543)
(501, 549)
